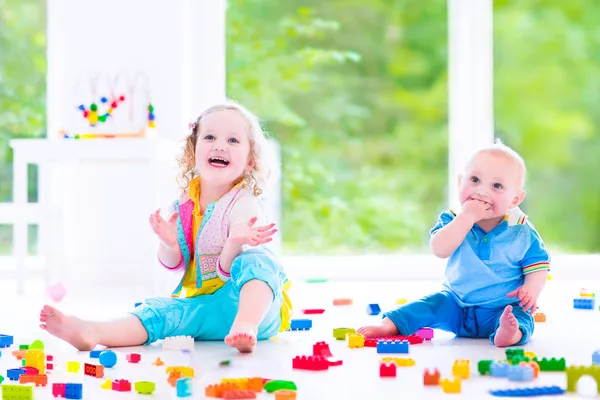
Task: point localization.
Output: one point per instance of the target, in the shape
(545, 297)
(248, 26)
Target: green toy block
(510, 353)
(24, 347)
(551, 365)
(576, 372)
(484, 366)
(21, 392)
(518, 359)
(340, 333)
(1, 379)
(144, 387)
(272, 386)
(36, 345)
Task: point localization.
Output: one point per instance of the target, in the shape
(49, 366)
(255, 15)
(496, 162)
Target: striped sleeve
(537, 257)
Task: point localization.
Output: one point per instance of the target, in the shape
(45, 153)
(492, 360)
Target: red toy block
(49, 367)
(96, 371)
(30, 371)
(431, 378)
(334, 362)
(133, 358)
(321, 349)
(121, 385)
(58, 389)
(49, 358)
(314, 311)
(311, 363)
(387, 370)
(239, 394)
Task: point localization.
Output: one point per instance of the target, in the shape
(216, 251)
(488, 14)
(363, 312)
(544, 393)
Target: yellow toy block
(356, 341)
(37, 360)
(462, 369)
(241, 383)
(450, 386)
(186, 372)
(529, 354)
(73, 366)
(400, 362)
(401, 301)
(107, 384)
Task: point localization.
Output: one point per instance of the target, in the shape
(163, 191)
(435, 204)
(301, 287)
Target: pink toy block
(133, 358)
(56, 291)
(425, 333)
(121, 385)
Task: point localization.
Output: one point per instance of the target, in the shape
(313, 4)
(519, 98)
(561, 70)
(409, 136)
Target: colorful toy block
(321, 349)
(96, 371)
(95, 353)
(483, 366)
(340, 333)
(173, 377)
(425, 333)
(584, 304)
(184, 387)
(534, 366)
(342, 302)
(335, 362)
(239, 394)
(529, 354)
(586, 293)
(121, 385)
(313, 311)
(285, 394)
(412, 339)
(36, 359)
(392, 346)
(301, 325)
(107, 384)
(158, 362)
(529, 392)
(73, 391)
(461, 369)
(37, 380)
(139, 303)
(596, 357)
(311, 363)
(6, 341)
(520, 373)
(254, 384)
(186, 372)
(30, 370)
(373, 309)
(14, 373)
(273, 386)
(23, 347)
(36, 345)
(17, 392)
(356, 341)
(539, 317)
(19, 354)
(551, 365)
(387, 370)
(450, 386)
(133, 358)
(73, 366)
(576, 372)
(511, 352)
(108, 358)
(499, 369)
(178, 343)
(218, 389)
(400, 362)
(58, 389)
(1, 379)
(518, 359)
(431, 378)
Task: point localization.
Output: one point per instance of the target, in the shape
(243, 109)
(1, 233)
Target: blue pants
(441, 311)
(210, 317)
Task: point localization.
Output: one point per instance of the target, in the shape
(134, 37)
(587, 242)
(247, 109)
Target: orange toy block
(218, 389)
(39, 380)
(342, 302)
(431, 378)
(450, 386)
(239, 394)
(284, 394)
(173, 377)
(539, 317)
(356, 340)
(535, 366)
(462, 369)
(186, 372)
(158, 362)
(20, 354)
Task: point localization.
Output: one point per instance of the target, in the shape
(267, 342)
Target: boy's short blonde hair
(261, 151)
(500, 148)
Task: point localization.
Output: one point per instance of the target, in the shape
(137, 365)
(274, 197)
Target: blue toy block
(95, 353)
(584, 304)
(15, 373)
(301, 325)
(137, 304)
(518, 373)
(184, 387)
(6, 341)
(596, 357)
(73, 391)
(499, 369)
(392, 347)
(529, 392)
(108, 358)
(373, 309)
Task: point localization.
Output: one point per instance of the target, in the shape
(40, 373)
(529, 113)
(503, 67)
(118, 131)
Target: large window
(546, 95)
(356, 93)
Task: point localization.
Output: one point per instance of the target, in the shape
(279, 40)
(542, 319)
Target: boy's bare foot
(70, 329)
(242, 337)
(508, 333)
(386, 328)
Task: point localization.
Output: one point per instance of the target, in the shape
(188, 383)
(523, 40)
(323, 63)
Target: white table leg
(20, 225)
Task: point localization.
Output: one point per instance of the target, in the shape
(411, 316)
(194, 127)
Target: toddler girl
(232, 288)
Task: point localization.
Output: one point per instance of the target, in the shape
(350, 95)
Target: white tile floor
(568, 333)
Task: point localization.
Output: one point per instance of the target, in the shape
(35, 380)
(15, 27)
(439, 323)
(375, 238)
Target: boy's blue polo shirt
(489, 265)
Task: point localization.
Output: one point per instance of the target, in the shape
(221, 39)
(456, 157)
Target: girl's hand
(166, 230)
(251, 235)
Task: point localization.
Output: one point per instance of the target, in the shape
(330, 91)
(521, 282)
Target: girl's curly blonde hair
(262, 154)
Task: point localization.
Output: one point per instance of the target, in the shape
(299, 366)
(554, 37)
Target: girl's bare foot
(70, 329)
(242, 337)
(508, 333)
(386, 328)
